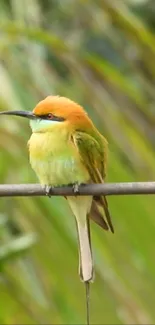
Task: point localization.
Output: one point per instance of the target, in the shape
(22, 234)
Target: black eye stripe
(51, 117)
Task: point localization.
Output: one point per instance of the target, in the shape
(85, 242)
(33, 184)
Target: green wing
(93, 153)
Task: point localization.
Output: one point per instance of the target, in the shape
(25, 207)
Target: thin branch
(90, 189)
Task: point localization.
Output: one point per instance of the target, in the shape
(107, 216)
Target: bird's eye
(50, 116)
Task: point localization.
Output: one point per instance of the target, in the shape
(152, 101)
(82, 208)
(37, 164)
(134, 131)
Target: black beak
(26, 114)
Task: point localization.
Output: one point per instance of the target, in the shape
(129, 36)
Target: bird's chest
(55, 160)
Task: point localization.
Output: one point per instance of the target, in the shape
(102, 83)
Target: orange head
(54, 111)
(62, 109)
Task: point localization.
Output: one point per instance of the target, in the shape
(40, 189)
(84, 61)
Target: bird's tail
(85, 252)
(81, 207)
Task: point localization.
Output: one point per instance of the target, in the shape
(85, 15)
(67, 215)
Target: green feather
(93, 152)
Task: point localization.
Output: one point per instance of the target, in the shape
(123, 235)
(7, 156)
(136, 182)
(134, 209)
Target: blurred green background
(102, 55)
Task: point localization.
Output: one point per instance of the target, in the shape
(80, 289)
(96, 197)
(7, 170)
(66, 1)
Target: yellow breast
(55, 159)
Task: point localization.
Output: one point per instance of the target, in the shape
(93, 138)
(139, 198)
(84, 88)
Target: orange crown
(63, 107)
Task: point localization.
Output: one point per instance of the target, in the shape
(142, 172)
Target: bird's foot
(48, 190)
(76, 188)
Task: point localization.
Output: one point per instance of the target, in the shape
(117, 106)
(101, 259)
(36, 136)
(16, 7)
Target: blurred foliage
(100, 54)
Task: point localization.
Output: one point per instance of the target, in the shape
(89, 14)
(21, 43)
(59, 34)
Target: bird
(66, 148)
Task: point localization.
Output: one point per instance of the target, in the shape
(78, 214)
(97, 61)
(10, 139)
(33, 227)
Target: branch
(90, 189)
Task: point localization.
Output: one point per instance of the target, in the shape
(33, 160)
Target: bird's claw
(48, 190)
(76, 188)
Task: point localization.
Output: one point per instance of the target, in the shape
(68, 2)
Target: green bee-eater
(66, 148)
